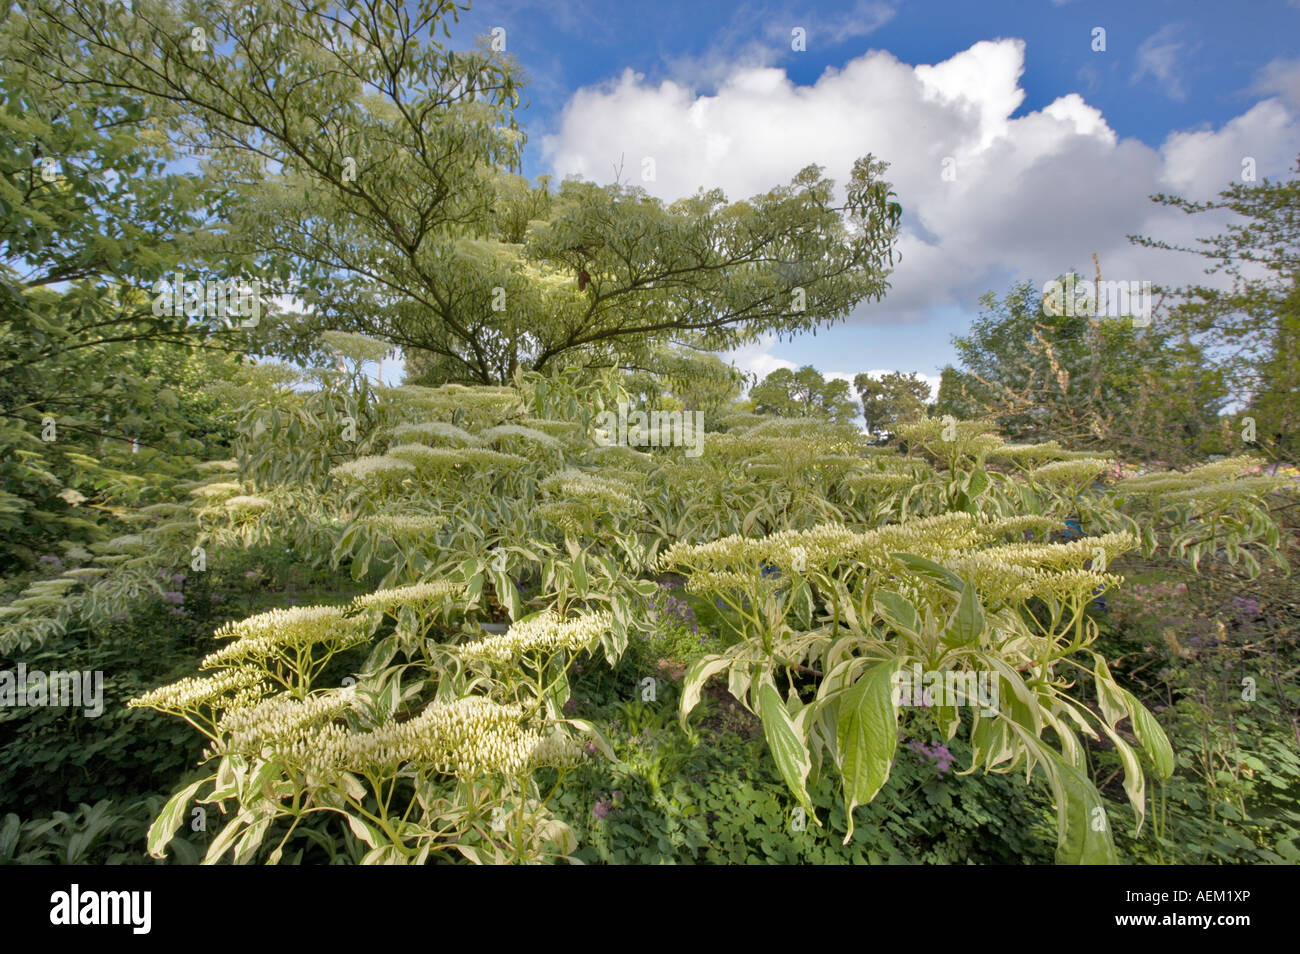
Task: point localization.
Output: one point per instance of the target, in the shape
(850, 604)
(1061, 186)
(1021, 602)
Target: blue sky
(1053, 147)
(1221, 46)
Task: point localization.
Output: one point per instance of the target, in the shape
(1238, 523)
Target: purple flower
(178, 579)
(1246, 606)
(571, 707)
(938, 753)
(600, 810)
(173, 597)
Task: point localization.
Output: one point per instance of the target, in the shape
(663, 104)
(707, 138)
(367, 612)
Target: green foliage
(1092, 381)
(716, 797)
(105, 833)
(803, 393)
(99, 391)
(562, 543)
(1213, 653)
(1254, 324)
(692, 380)
(894, 398)
(54, 758)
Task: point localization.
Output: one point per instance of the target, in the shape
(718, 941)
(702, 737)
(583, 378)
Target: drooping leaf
(788, 749)
(866, 736)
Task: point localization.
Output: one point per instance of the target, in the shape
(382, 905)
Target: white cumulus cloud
(1027, 196)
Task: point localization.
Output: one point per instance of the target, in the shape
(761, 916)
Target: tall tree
(379, 158)
(1085, 379)
(1253, 326)
(804, 393)
(891, 399)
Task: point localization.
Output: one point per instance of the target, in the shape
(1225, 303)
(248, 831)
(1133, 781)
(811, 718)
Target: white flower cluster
(470, 735)
(584, 498)
(621, 456)
(479, 404)
(544, 633)
(355, 346)
(437, 433)
(966, 543)
(85, 574)
(606, 491)
(1014, 528)
(503, 432)
(420, 456)
(439, 460)
(246, 505)
(406, 525)
(419, 596)
(247, 729)
(999, 580)
(945, 438)
(739, 420)
(226, 690)
(1217, 470)
(1228, 490)
(278, 630)
(1070, 473)
(1065, 556)
(879, 480)
(1014, 572)
(373, 468)
(732, 446)
(1218, 480)
(128, 541)
(736, 557)
(841, 436)
(1029, 454)
(218, 490)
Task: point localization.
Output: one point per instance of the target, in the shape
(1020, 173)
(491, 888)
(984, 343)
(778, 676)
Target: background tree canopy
(803, 393)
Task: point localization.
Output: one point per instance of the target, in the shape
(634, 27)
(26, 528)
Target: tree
(804, 393)
(1086, 380)
(1252, 327)
(954, 398)
(381, 161)
(893, 398)
(100, 388)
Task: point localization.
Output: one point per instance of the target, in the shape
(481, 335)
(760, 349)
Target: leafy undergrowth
(714, 795)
